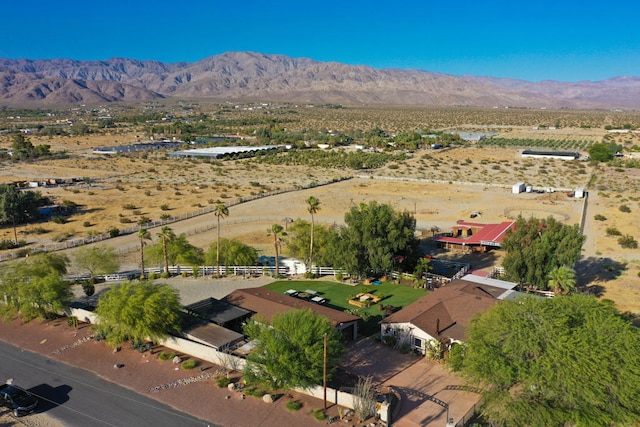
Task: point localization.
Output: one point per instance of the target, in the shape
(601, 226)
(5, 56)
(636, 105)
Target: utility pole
(324, 372)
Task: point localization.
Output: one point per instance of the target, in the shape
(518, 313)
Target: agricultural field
(438, 186)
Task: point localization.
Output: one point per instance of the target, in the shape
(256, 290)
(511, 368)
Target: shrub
(113, 232)
(612, 231)
(62, 236)
(129, 206)
(319, 415)
(223, 381)
(627, 241)
(72, 321)
(339, 277)
(7, 244)
(69, 204)
(599, 217)
(88, 288)
(166, 356)
(189, 364)
(37, 230)
(389, 340)
(59, 219)
(624, 208)
(294, 405)
(21, 253)
(86, 224)
(164, 207)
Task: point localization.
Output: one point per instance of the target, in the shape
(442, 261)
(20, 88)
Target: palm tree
(143, 234)
(278, 233)
(221, 211)
(166, 234)
(313, 206)
(562, 279)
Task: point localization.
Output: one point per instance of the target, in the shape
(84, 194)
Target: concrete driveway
(419, 382)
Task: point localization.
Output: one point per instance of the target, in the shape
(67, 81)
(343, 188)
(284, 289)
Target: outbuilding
(518, 188)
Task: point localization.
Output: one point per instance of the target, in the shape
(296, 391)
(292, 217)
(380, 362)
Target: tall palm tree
(221, 211)
(562, 279)
(278, 234)
(143, 234)
(166, 234)
(313, 206)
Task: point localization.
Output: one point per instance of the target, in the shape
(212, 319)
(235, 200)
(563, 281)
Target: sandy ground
(439, 188)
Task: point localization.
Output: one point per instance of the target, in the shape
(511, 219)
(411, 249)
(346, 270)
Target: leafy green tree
(143, 234)
(221, 211)
(138, 311)
(535, 247)
(19, 207)
(552, 362)
(313, 206)
(166, 234)
(601, 152)
(179, 252)
(24, 149)
(562, 279)
(423, 266)
(232, 252)
(97, 259)
(374, 235)
(289, 349)
(278, 234)
(35, 287)
(299, 241)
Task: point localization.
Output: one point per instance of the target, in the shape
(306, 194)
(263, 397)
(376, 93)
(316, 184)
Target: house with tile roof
(444, 314)
(268, 303)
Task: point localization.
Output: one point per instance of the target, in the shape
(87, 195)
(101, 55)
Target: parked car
(20, 401)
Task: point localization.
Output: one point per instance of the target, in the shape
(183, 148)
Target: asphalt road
(78, 398)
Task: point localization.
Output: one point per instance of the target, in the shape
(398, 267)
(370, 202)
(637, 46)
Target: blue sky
(566, 41)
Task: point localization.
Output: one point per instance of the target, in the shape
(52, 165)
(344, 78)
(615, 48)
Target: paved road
(79, 398)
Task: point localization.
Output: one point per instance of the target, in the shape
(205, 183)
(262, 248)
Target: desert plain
(439, 187)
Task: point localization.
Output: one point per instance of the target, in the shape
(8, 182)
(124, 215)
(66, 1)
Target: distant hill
(259, 77)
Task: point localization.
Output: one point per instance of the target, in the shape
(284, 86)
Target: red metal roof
(484, 233)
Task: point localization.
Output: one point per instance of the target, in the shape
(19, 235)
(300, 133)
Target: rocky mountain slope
(256, 76)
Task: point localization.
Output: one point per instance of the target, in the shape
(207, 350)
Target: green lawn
(337, 295)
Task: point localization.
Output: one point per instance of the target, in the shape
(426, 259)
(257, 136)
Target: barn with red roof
(474, 237)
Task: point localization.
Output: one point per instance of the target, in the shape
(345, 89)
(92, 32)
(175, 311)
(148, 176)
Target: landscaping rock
(267, 398)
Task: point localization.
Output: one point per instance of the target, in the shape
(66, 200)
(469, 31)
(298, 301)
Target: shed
(518, 188)
(579, 193)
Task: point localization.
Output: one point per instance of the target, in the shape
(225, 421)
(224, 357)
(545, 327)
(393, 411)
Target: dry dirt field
(438, 186)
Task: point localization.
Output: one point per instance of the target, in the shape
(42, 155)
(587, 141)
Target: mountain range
(249, 76)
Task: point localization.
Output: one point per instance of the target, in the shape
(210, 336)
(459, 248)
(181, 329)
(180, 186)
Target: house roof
(216, 311)
(483, 233)
(213, 335)
(268, 303)
(446, 312)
